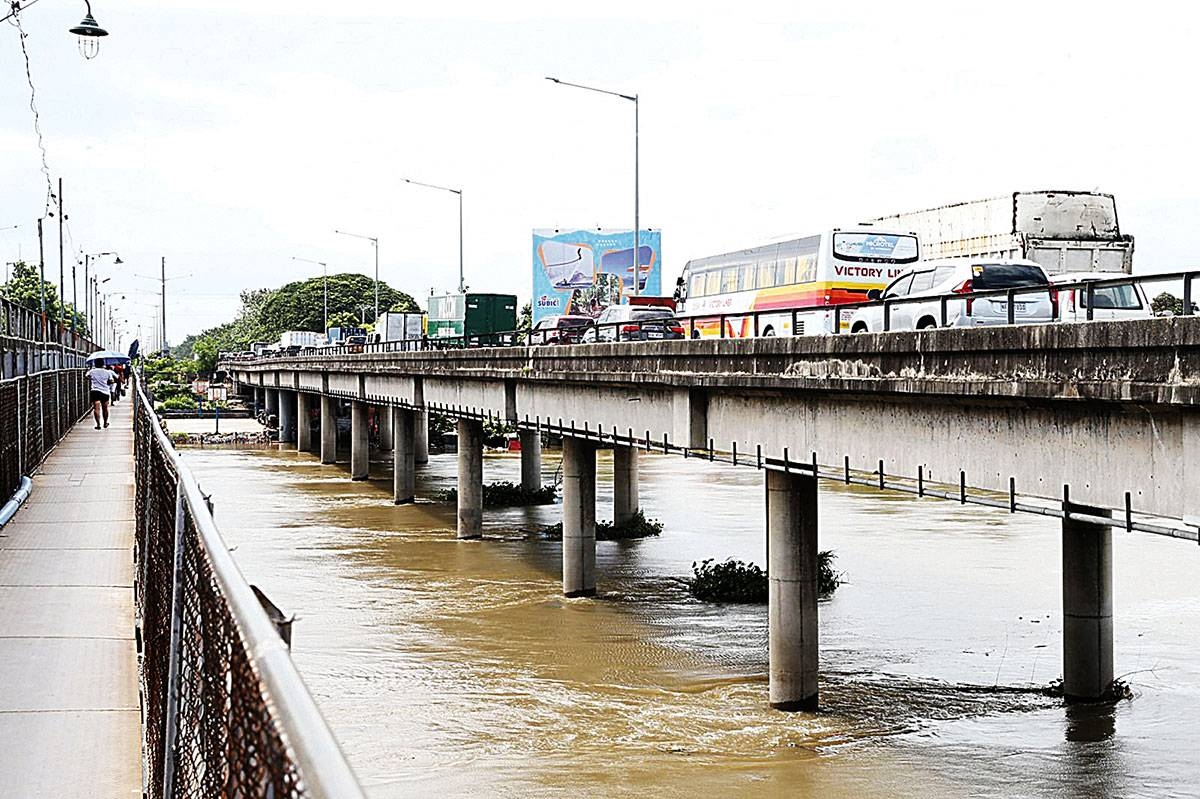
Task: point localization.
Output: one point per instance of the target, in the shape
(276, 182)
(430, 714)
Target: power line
(14, 19)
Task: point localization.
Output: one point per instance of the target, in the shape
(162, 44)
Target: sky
(230, 138)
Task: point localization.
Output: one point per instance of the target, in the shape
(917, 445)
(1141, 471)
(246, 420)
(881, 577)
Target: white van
(1121, 300)
(961, 276)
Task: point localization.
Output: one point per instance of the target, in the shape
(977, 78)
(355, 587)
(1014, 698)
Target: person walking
(100, 379)
(118, 389)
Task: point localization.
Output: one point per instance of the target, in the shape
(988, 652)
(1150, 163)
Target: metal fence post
(172, 715)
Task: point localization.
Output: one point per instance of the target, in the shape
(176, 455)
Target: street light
(462, 287)
(375, 243)
(637, 230)
(362, 314)
(87, 259)
(89, 34)
(325, 267)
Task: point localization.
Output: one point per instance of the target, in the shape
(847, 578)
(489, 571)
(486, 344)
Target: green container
(471, 315)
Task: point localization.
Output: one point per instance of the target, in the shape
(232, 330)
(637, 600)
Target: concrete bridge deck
(69, 718)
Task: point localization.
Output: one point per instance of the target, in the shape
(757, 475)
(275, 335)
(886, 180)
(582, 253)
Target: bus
(813, 273)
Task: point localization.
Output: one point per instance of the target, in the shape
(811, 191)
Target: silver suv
(960, 276)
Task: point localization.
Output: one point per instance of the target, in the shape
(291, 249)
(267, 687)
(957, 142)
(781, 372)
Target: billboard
(585, 271)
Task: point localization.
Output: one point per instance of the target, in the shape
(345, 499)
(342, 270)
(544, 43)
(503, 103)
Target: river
(457, 668)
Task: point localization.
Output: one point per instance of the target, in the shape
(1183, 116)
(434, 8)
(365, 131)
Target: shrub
(637, 527)
(179, 402)
(504, 494)
(745, 583)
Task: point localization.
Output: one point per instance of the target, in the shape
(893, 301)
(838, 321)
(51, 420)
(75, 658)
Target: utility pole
(62, 286)
(42, 284)
(164, 302)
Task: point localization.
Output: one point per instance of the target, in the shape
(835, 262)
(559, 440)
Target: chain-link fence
(225, 712)
(36, 411)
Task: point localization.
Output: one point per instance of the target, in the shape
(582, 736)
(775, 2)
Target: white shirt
(100, 378)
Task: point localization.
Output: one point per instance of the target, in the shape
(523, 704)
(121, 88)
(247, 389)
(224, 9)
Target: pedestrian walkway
(69, 720)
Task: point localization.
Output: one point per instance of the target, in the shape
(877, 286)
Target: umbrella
(106, 355)
(133, 349)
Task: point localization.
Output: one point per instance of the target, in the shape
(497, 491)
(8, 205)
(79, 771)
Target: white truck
(292, 341)
(398, 326)
(1063, 231)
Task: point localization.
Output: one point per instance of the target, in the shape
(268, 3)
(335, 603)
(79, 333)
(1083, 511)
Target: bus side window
(729, 279)
(697, 289)
(789, 271)
(766, 274)
(746, 277)
(807, 270)
(712, 283)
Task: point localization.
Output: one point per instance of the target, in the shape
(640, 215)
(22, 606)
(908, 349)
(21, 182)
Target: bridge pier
(531, 459)
(383, 414)
(625, 484)
(420, 424)
(360, 464)
(328, 429)
(272, 401)
(792, 590)
(303, 422)
(579, 517)
(470, 478)
(404, 477)
(287, 417)
(257, 398)
(1087, 607)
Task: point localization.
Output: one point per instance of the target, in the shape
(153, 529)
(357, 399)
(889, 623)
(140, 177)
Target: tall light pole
(89, 310)
(637, 230)
(325, 267)
(375, 243)
(462, 286)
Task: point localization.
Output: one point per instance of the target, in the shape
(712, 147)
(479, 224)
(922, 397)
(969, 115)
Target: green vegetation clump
(25, 287)
(178, 403)
(637, 527)
(745, 583)
(504, 494)
(1167, 303)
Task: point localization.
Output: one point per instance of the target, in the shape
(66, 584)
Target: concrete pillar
(383, 415)
(1087, 607)
(303, 424)
(531, 459)
(792, 590)
(470, 478)
(287, 417)
(404, 477)
(272, 401)
(579, 517)
(625, 484)
(421, 436)
(360, 465)
(328, 429)
(259, 399)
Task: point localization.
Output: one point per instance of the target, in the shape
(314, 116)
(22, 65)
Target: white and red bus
(811, 274)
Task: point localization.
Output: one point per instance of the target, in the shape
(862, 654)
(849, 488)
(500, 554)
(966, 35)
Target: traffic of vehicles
(1025, 258)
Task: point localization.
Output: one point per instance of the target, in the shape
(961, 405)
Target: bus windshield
(875, 247)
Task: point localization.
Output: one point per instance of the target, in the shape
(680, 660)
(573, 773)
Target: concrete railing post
(625, 484)
(287, 417)
(383, 413)
(404, 476)
(303, 424)
(579, 517)
(328, 429)
(470, 478)
(531, 459)
(792, 590)
(1087, 607)
(360, 465)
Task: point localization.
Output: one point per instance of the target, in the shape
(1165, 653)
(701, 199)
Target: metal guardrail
(29, 343)
(225, 710)
(36, 411)
(641, 330)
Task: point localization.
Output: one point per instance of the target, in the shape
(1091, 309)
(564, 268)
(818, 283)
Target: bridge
(1097, 425)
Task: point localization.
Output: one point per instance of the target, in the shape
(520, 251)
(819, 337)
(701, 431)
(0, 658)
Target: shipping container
(1063, 231)
(471, 314)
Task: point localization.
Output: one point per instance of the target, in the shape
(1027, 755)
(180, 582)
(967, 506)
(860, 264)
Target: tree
(1167, 302)
(525, 320)
(25, 287)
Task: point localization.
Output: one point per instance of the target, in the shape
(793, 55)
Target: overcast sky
(229, 137)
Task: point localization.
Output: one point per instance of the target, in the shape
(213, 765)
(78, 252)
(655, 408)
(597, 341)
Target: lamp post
(637, 230)
(462, 286)
(324, 266)
(375, 243)
(89, 309)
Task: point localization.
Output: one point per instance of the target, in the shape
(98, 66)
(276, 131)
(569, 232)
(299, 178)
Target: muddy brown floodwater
(457, 668)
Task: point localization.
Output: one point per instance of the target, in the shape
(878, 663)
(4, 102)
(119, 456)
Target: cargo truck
(473, 315)
(1063, 231)
(398, 326)
(336, 335)
(298, 339)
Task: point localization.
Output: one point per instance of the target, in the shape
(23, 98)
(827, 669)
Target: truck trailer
(471, 315)
(1064, 231)
(298, 339)
(399, 326)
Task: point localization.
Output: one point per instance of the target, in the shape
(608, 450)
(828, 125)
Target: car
(559, 329)
(634, 323)
(355, 343)
(1123, 300)
(932, 279)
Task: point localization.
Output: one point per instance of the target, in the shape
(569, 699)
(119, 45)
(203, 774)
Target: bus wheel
(859, 328)
(770, 331)
(926, 324)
